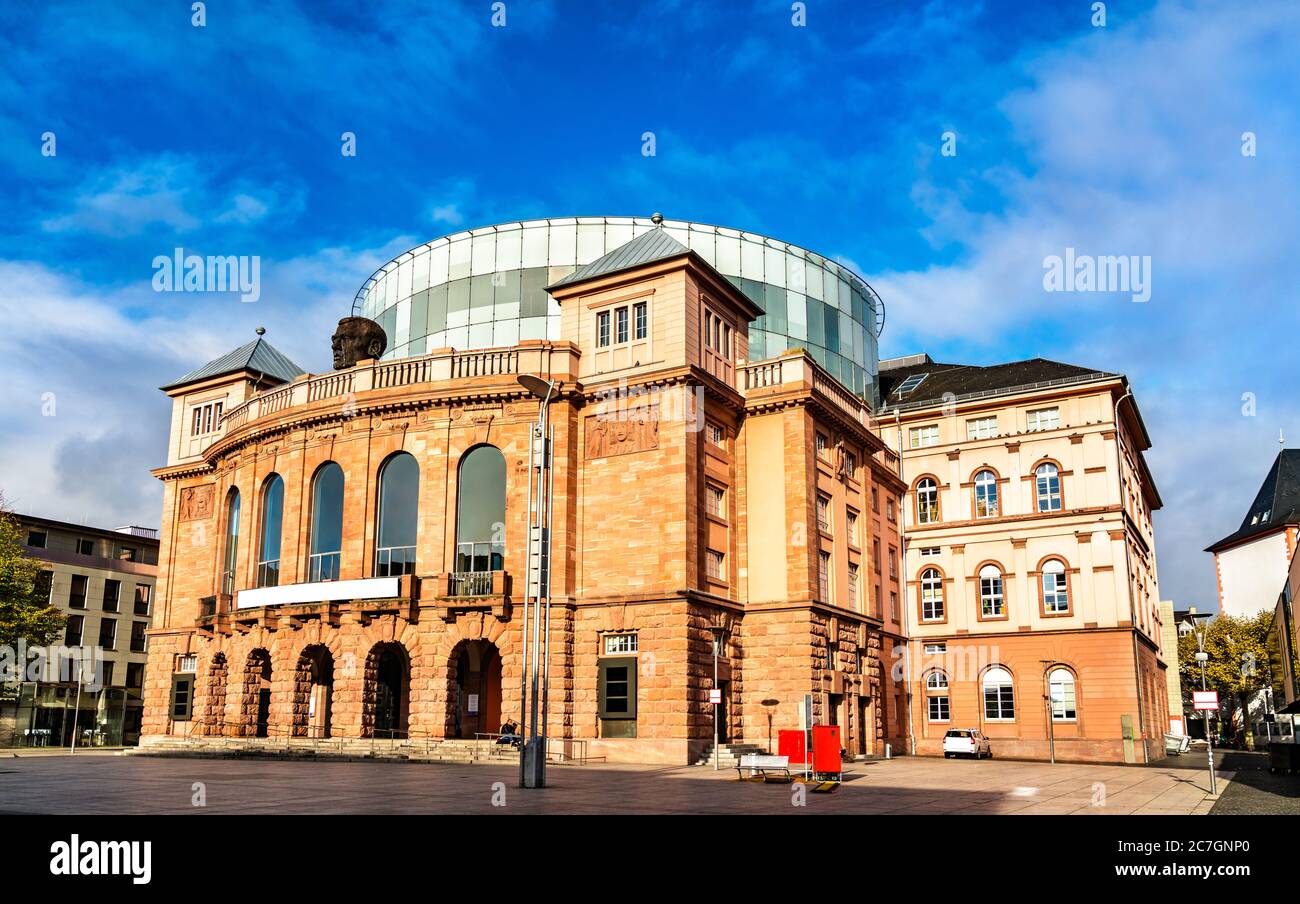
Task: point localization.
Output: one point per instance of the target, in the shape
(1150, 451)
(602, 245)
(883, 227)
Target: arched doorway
(387, 691)
(476, 701)
(256, 705)
(215, 712)
(313, 689)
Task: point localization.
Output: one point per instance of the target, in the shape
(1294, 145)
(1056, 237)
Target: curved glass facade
(486, 287)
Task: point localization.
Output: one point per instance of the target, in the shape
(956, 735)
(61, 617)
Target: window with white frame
(893, 563)
(1043, 419)
(1047, 487)
(620, 325)
(619, 644)
(824, 514)
(715, 565)
(935, 649)
(821, 444)
(602, 329)
(999, 695)
(207, 419)
(715, 501)
(936, 694)
(931, 595)
(982, 428)
(640, 320)
(1060, 684)
(716, 434)
(1056, 594)
(992, 601)
(927, 550)
(920, 437)
(986, 495)
(927, 501)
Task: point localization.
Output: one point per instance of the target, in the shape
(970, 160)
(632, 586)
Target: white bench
(761, 767)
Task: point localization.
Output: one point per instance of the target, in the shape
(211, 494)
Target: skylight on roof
(910, 384)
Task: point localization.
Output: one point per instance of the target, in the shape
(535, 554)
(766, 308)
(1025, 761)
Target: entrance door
(477, 700)
(263, 711)
(724, 716)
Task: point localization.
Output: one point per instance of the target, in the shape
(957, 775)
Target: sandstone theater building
(342, 553)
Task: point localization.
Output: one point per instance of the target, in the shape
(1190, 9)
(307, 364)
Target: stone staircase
(728, 754)
(432, 750)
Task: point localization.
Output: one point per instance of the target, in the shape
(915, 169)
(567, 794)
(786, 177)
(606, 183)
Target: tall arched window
(986, 495)
(1060, 687)
(931, 595)
(999, 695)
(927, 501)
(1047, 484)
(399, 508)
(1056, 594)
(268, 557)
(326, 523)
(231, 554)
(992, 599)
(481, 513)
(936, 696)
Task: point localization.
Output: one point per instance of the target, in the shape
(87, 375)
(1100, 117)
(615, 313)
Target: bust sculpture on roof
(356, 339)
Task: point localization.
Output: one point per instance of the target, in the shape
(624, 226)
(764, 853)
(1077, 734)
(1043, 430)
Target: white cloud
(1132, 137)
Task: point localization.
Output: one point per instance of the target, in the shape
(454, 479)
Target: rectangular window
(999, 701)
(1044, 419)
(196, 426)
(182, 697)
(106, 673)
(44, 585)
(893, 563)
(875, 555)
(127, 554)
(620, 325)
(982, 428)
(851, 526)
(616, 697)
(602, 329)
(853, 586)
(935, 649)
(142, 599)
(715, 565)
(824, 576)
(875, 500)
(73, 629)
(921, 437)
(77, 595)
(715, 434)
(850, 465)
(112, 591)
(822, 443)
(824, 514)
(893, 605)
(620, 644)
(108, 633)
(37, 539)
(938, 709)
(187, 663)
(715, 501)
(928, 550)
(135, 675)
(86, 547)
(640, 320)
(889, 509)
(138, 636)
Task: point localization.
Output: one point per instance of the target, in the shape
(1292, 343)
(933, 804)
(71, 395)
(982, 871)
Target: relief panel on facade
(625, 431)
(196, 502)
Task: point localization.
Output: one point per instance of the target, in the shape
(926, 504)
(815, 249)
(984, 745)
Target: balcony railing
(558, 360)
(471, 583)
(798, 369)
(323, 566)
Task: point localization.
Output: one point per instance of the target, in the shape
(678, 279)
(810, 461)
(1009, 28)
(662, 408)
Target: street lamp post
(1051, 723)
(534, 682)
(1202, 657)
(716, 631)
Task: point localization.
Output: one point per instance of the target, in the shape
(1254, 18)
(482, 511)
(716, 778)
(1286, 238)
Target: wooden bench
(757, 767)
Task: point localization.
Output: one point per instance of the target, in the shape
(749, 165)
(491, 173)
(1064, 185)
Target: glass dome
(486, 287)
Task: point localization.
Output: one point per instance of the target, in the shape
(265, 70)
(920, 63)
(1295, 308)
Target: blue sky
(225, 139)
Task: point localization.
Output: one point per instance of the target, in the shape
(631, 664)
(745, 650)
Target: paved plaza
(95, 783)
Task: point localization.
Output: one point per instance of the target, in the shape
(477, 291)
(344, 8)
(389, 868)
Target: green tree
(24, 612)
(1238, 661)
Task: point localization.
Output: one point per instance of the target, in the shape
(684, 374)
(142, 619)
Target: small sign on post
(715, 696)
(1205, 700)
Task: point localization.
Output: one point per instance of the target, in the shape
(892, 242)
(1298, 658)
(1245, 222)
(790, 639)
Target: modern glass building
(486, 287)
